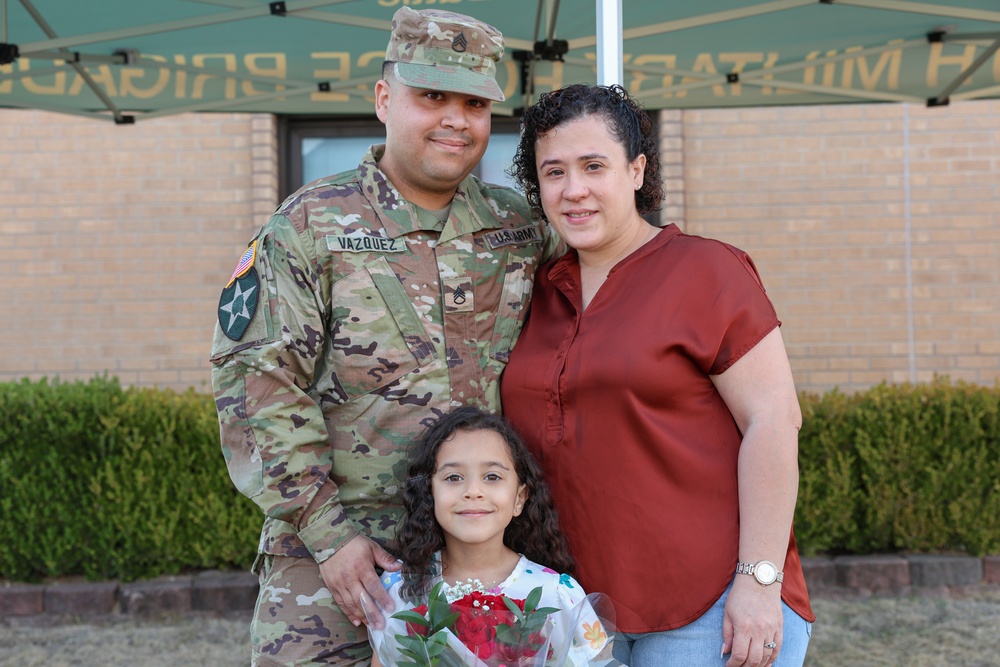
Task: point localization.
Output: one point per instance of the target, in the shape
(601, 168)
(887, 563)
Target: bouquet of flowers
(465, 626)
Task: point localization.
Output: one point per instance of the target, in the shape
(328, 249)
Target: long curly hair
(534, 533)
(626, 120)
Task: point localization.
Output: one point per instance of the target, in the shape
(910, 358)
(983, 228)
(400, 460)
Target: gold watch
(764, 571)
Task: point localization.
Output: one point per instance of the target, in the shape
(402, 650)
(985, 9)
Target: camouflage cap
(442, 50)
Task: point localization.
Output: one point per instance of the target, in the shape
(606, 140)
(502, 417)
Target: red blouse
(639, 449)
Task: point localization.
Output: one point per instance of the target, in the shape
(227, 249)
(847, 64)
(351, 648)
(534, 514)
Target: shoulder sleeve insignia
(246, 261)
(238, 304)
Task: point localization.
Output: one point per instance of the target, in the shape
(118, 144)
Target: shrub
(115, 483)
(901, 468)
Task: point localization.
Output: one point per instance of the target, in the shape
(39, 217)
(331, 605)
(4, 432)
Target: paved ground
(876, 631)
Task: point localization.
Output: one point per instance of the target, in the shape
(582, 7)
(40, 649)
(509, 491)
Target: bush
(900, 468)
(115, 483)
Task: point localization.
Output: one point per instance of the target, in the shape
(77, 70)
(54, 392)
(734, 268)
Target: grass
(910, 631)
(915, 631)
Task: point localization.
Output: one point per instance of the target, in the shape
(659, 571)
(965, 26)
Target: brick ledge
(225, 593)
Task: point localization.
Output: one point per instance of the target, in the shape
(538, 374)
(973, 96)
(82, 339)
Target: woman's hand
(752, 618)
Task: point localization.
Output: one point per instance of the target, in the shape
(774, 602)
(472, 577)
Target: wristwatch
(763, 571)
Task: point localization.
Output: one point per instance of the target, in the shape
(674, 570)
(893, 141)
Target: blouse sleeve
(733, 312)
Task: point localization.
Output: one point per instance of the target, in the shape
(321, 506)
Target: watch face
(766, 572)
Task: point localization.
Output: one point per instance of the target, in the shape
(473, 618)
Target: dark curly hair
(626, 120)
(534, 533)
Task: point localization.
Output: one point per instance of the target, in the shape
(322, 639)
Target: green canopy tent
(129, 60)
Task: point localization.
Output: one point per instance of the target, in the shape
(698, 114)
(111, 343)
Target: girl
(479, 513)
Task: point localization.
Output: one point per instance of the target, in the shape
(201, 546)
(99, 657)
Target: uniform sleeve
(273, 433)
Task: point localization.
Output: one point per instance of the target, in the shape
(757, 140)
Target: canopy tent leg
(609, 42)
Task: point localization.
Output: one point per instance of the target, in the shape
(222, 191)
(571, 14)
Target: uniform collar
(470, 211)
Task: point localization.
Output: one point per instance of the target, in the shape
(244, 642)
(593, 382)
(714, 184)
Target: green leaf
(413, 617)
(532, 600)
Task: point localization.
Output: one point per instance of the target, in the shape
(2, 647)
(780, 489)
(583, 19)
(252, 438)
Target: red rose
(414, 629)
(479, 614)
(475, 631)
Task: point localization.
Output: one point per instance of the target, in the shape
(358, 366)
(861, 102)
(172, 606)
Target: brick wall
(116, 241)
(876, 229)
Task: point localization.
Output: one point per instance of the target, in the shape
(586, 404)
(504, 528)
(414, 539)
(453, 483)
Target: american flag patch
(246, 261)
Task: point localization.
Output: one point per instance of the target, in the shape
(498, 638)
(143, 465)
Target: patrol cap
(441, 50)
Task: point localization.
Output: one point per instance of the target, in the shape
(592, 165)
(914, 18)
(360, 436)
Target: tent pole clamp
(554, 50)
(8, 53)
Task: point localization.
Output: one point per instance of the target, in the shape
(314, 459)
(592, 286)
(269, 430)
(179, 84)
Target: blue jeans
(697, 644)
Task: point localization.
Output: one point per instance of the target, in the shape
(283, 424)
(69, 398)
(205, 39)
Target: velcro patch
(246, 261)
(238, 304)
(458, 296)
(363, 242)
(519, 236)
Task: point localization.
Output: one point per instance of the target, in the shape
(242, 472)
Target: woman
(652, 383)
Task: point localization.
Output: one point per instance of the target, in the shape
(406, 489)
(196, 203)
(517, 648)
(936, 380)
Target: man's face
(433, 139)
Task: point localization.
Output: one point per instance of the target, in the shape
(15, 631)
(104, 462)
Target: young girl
(479, 512)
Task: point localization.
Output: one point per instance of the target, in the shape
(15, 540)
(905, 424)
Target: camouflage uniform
(371, 322)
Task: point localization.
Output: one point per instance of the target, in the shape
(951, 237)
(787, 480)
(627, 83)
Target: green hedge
(900, 468)
(116, 483)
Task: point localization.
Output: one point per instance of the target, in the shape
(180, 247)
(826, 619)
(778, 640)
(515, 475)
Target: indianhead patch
(238, 304)
(246, 261)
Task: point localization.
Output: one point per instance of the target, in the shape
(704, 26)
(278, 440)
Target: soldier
(371, 303)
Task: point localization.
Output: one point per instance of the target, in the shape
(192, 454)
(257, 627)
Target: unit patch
(519, 236)
(238, 304)
(246, 261)
(363, 242)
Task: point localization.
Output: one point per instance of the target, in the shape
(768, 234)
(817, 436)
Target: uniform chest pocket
(376, 334)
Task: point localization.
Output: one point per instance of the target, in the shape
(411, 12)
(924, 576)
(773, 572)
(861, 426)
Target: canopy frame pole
(696, 21)
(757, 76)
(119, 116)
(925, 8)
(548, 49)
(151, 64)
(944, 97)
(292, 6)
(292, 92)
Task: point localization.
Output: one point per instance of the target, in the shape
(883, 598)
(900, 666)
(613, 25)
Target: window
(313, 148)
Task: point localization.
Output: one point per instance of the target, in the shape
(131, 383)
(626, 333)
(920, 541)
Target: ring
(770, 644)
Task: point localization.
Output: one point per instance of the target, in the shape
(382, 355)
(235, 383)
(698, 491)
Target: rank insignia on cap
(246, 261)
(238, 303)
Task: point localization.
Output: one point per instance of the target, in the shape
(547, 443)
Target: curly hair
(534, 533)
(626, 120)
